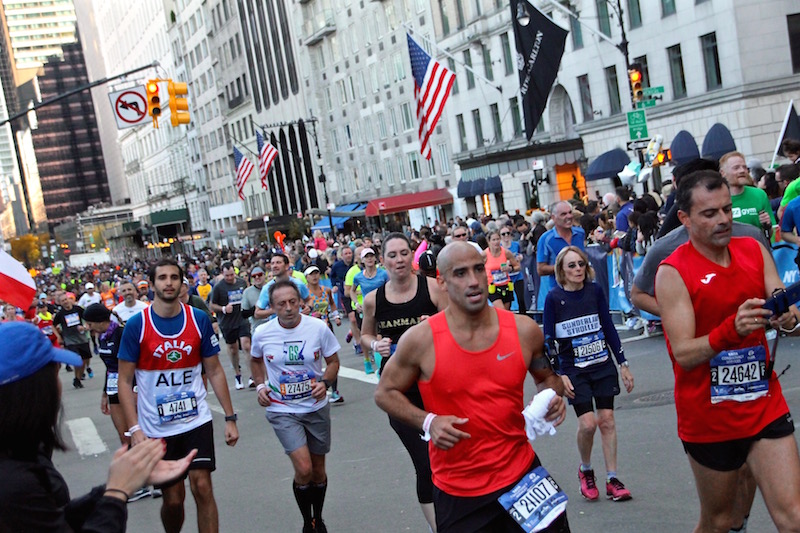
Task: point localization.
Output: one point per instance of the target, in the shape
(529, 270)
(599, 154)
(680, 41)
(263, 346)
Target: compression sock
(303, 494)
(586, 468)
(318, 491)
(610, 474)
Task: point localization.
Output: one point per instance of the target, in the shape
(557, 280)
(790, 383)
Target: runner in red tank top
(470, 362)
(730, 407)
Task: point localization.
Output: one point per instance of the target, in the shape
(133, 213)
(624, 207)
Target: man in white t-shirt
(89, 297)
(129, 306)
(286, 364)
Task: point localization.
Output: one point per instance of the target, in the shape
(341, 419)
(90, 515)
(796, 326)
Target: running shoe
(156, 493)
(144, 492)
(89, 371)
(336, 397)
(308, 527)
(349, 337)
(588, 484)
(368, 367)
(616, 491)
(319, 526)
(358, 349)
(77, 383)
(239, 385)
(69, 368)
(250, 383)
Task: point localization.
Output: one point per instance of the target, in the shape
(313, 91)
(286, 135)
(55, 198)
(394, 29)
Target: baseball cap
(89, 286)
(96, 313)
(143, 283)
(27, 350)
(257, 270)
(43, 296)
(366, 251)
(310, 270)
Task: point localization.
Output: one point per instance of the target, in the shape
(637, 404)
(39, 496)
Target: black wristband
(232, 418)
(327, 383)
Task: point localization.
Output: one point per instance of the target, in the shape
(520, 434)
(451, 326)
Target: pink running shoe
(588, 484)
(616, 491)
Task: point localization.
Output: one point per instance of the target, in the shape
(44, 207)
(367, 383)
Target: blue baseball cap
(26, 350)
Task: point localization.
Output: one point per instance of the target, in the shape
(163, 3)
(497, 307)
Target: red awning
(404, 202)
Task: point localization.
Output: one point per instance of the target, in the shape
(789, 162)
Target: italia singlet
(172, 397)
(487, 388)
(730, 397)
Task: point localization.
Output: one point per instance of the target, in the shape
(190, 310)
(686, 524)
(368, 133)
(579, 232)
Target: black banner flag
(540, 45)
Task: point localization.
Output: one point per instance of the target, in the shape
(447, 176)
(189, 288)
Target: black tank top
(392, 320)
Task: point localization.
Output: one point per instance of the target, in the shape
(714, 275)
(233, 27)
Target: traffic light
(663, 157)
(153, 101)
(178, 105)
(635, 75)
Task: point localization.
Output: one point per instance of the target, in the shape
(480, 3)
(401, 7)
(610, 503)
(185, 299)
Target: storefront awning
(343, 214)
(173, 216)
(404, 202)
(607, 165)
(479, 186)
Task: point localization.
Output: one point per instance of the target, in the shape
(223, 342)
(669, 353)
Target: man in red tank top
(470, 362)
(730, 407)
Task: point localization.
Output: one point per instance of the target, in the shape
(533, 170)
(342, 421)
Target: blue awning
(464, 188)
(607, 165)
(683, 148)
(479, 186)
(338, 221)
(494, 185)
(718, 142)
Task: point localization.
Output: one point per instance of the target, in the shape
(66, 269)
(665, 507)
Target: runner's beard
(165, 298)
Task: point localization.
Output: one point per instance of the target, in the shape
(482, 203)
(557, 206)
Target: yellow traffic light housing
(153, 101)
(635, 76)
(178, 105)
(663, 157)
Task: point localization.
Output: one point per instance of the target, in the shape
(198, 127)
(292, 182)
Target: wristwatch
(232, 418)
(625, 363)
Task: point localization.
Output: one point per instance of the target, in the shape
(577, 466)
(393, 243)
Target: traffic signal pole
(10, 120)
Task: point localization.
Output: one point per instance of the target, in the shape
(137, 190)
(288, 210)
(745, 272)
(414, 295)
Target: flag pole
(451, 56)
(240, 143)
(782, 133)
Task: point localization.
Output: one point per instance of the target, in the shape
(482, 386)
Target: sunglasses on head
(580, 264)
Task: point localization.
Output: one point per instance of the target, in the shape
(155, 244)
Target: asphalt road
(371, 481)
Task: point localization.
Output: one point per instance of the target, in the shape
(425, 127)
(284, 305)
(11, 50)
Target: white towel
(534, 414)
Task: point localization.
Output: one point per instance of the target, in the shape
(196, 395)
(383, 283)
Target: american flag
(432, 83)
(266, 155)
(243, 170)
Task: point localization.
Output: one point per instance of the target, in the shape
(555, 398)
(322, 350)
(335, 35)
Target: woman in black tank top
(389, 311)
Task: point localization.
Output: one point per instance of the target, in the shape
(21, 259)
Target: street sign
(130, 107)
(638, 145)
(637, 125)
(645, 103)
(652, 91)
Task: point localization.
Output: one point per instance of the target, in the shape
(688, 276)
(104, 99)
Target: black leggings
(417, 449)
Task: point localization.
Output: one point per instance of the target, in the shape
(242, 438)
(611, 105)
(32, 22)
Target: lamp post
(266, 229)
(322, 179)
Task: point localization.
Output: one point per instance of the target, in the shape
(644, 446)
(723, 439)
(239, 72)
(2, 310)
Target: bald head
(456, 253)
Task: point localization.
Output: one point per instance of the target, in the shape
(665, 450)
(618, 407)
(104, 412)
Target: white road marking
(85, 436)
(351, 373)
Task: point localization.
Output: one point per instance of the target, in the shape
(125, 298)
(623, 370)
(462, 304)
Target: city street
(371, 485)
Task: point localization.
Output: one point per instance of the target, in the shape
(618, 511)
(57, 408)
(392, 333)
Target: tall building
(39, 29)
(67, 144)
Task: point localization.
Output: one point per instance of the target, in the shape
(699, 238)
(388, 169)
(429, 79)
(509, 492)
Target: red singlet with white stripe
(487, 388)
(716, 293)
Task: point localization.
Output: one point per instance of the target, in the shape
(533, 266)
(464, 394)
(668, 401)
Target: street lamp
(523, 17)
(322, 179)
(266, 229)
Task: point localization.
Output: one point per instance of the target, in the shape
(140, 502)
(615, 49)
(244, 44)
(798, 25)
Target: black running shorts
(179, 446)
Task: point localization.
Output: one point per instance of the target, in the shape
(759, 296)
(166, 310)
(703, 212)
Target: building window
(462, 132)
(516, 119)
(603, 20)
(793, 24)
(576, 32)
(667, 8)
(476, 122)
(498, 129)
(634, 14)
(711, 61)
(382, 126)
(431, 168)
(368, 135)
(460, 14)
(408, 122)
(487, 62)
(413, 164)
(676, 71)
(401, 169)
(388, 168)
(399, 68)
(335, 138)
(508, 59)
(444, 159)
(613, 90)
(586, 98)
(348, 135)
(443, 16)
(451, 65)
(470, 76)
(477, 8)
(393, 121)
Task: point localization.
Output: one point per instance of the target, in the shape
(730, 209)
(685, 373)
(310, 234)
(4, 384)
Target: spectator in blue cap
(33, 495)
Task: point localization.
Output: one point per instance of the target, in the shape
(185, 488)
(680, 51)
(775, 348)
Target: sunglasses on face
(580, 264)
(505, 234)
(459, 236)
(257, 276)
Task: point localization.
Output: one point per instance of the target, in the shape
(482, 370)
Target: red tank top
(716, 293)
(487, 388)
(494, 273)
